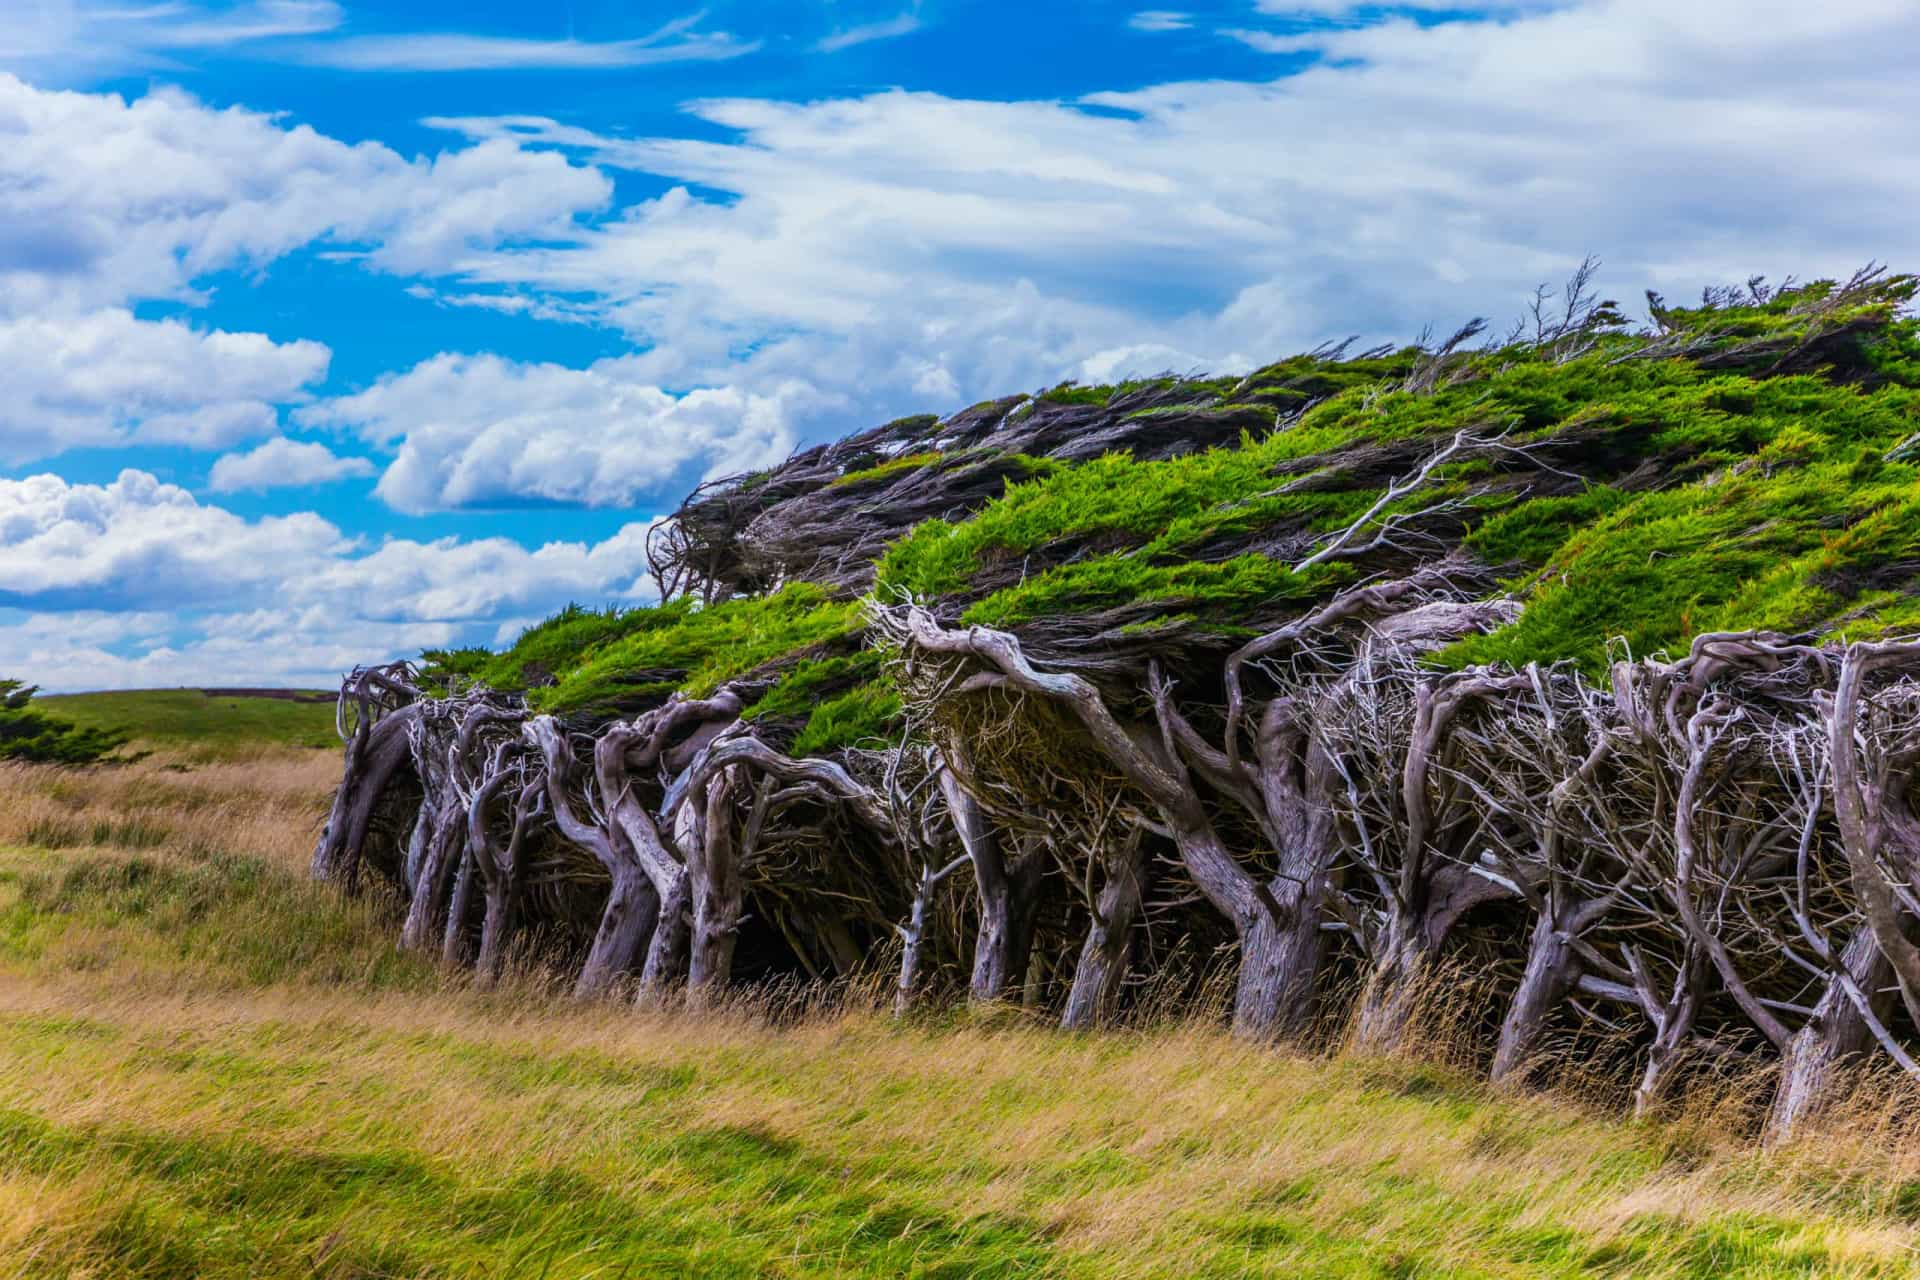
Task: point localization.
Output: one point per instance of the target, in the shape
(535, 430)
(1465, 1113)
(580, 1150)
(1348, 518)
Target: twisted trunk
(375, 755)
(1006, 892)
(667, 948)
(1554, 967)
(1103, 956)
(626, 923)
(1402, 969)
(453, 947)
(1814, 1064)
(430, 886)
(717, 887)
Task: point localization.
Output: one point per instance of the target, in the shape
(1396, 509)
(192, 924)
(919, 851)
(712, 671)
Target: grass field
(193, 722)
(210, 1067)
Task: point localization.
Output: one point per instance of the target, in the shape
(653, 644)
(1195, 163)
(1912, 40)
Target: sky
(333, 331)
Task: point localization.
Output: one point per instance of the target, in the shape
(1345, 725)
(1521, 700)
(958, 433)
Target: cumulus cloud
(140, 544)
(1230, 220)
(107, 378)
(245, 599)
(105, 200)
(480, 431)
(282, 463)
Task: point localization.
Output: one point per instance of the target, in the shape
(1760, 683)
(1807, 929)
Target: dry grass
(191, 1084)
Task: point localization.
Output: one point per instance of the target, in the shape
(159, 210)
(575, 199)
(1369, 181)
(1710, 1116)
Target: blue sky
(335, 330)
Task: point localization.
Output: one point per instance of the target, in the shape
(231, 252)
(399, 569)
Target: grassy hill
(210, 722)
(211, 1067)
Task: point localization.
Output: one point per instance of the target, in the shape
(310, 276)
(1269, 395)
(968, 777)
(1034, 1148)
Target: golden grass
(244, 1103)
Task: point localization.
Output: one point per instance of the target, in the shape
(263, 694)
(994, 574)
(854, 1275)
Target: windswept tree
(27, 733)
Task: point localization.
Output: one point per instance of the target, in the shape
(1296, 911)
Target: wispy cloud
(1160, 20)
(1267, 42)
(62, 40)
(177, 26)
(459, 51)
(905, 24)
(1342, 8)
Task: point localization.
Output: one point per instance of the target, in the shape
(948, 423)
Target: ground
(210, 1067)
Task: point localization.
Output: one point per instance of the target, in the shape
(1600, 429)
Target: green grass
(188, 718)
(211, 1068)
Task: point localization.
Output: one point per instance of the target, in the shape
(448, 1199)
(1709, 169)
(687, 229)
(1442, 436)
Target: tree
(27, 733)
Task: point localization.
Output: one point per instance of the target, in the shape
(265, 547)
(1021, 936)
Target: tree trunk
(368, 773)
(1006, 895)
(1391, 997)
(1279, 970)
(714, 875)
(913, 939)
(629, 918)
(1815, 1061)
(1005, 892)
(1672, 1030)
(419, 840)
(1552, 968)
(453, 946)
(666, 953)
(1403, 965)
(496, 926)
(1103, 956)
(430, 890)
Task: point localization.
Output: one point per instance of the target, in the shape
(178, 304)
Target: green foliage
(1748, 462)
(888, 469)
(684, 646)
(28, 733)
(869, 711)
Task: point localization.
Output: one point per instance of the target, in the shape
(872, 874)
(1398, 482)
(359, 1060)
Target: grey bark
(1814, 1063)
(1103, 956)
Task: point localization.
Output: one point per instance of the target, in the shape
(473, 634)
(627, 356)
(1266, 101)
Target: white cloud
(863, 243)
(1344, 8)
(273, 597)
(68, 37)
(454, 51)
(1160, 20)
(84, 650)
(138, 544)
(892, 28)
(281, 463)
(104, 200)
(107, 378)
(1268, 42)
(479, 431)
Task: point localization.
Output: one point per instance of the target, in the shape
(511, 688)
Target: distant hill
(215, 722)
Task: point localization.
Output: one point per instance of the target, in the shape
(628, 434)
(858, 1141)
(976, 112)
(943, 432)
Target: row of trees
(1708, 858)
